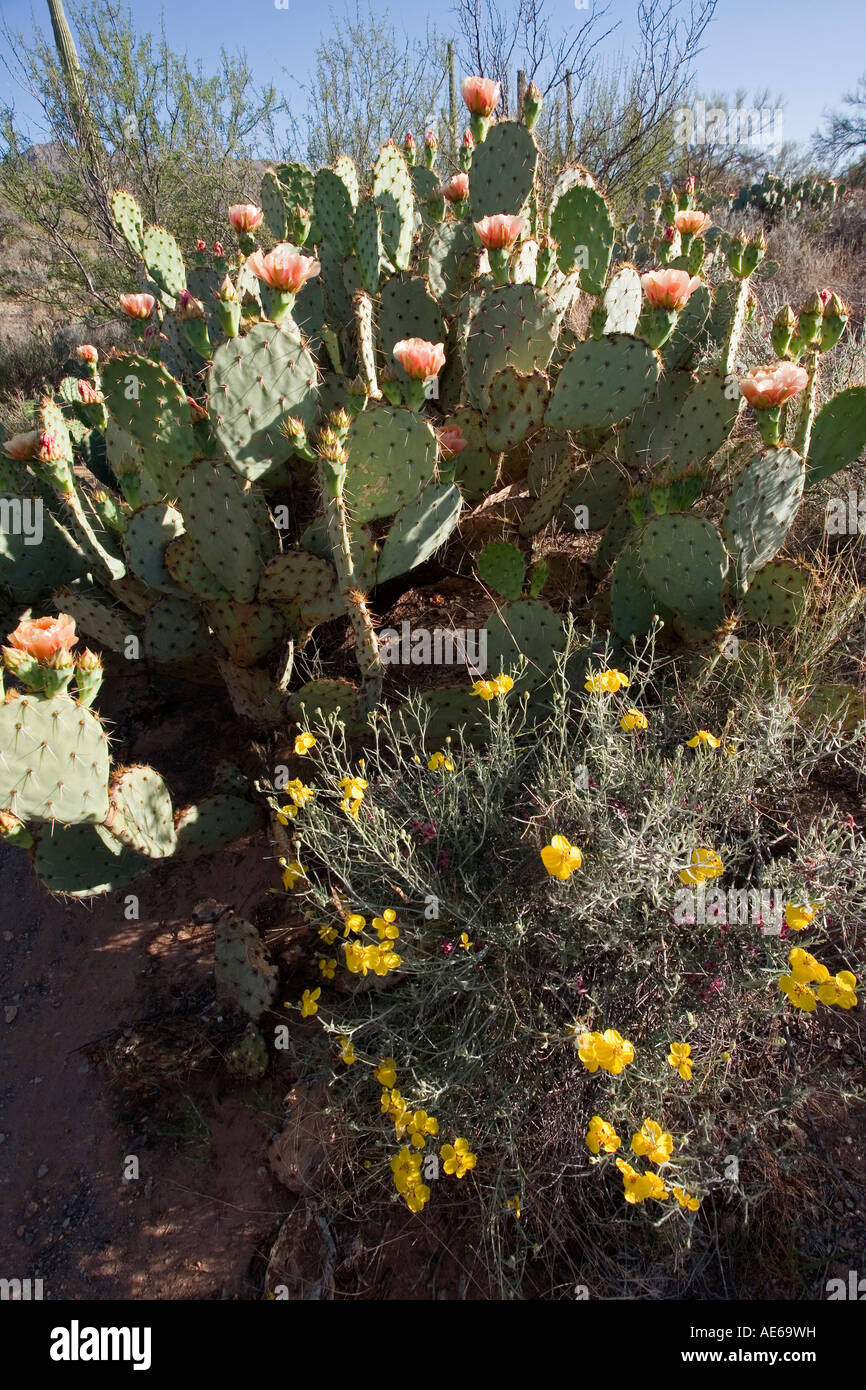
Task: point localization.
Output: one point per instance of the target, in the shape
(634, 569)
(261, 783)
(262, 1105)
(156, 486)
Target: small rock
(10, 1012)
(42, 1170)
(7, 936)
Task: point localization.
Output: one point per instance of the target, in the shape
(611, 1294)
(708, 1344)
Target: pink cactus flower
(451, 440)
(499, 232)
(825, 296)
(88, 393)
(690, 183)
(691, 222)
(669, 233)
(188, 307)
(669, 289)
(284, 268)
(245, 217)
(218, 248)
(200, 245)
(419, 359)
(468, 141)
(86, 352)
(766, 387)
(456, 189)
(481, 95)
(42, 637)
(137, 306)
(22, 447)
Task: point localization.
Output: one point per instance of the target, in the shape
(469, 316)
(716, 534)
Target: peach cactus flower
(456, 189)
(86, 352)
(669, 289)
(21, 447)
(284, 268)
(451, 440)
(50, 449)
(499, 232)
(137, 306)
(420, 359)
(481, 95)
(245, 217)
(42, 637)
(690, 222)
(766, 387)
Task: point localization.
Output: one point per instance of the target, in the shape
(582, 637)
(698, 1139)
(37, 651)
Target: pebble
(42, 1170)
(10, 1012)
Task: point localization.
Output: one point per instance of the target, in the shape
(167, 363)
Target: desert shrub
(498, 971)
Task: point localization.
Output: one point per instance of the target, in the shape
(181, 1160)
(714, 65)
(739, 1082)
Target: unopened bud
(783, 331)
(532, 103)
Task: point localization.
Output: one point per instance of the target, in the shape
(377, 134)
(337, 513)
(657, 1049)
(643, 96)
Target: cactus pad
(395, 197)
(582, 225)
(255, 382)
(248, 631)
(502, 171)
(518, 401)
(78, 861)
(513, 326)
(419, 529)
(392, 455)
(243, 972)
(164, 261)
(55, 761)
(705, 420)
(763, 502)
(603, 381)
(145, 400)
(140, 813)
(150, 530)
(501, 566)
(406, 310)
(777, 594)
(213, 823)
(622, 301)
(838, 435)
(527, 628)
(685, 564)
(302, 585)
(127, 218)
(174, 632)
(223, 524)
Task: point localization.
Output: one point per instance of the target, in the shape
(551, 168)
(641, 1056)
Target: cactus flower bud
(669, 233)
(88, 393)
(754, 253)
(467, 145)
(14, 831)
(137, 306)
(810, 317)
(736, 251)
(481, 95)
(532, 103)
(227, 292)
(200, 245)
(293, 428)
(690, 183)
(197, 411)
(301, 224)
(456, 190)
(410, 148)
(547, 249)
(57, 672)
(836, 314)
(188, 307)
(88, 676)
(218, 248)
(340, 420)
(86, 352)
(783, 331)
(245, 217)
(50, 449)
(430, 141)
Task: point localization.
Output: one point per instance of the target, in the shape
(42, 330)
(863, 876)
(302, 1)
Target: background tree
(369, 84)
(135, 114)
(842, 140)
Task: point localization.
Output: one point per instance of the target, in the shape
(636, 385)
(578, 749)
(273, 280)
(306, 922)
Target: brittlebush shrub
(460, 982)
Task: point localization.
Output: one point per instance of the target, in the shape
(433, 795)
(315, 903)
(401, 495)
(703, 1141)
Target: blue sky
(810, 52)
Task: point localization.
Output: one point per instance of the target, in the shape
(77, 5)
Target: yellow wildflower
(685, 1199)
(805, 969)
(614, 1052)
(458, 1158)
(839, 990)
(800, 915)
(679, 1058)
(601, 1135)
(633, 719)
(702, 736)
(609, 681)
(652, 1142)
(386, 1072)
(347, 1051)
(560, 858)
(439, 760)
(514, 1203)
(465, 943)
(327, 967)
(291, 873)
(705, 864)
(420, 1125)
(309, 1007)
(354, 922)
(304, 742)
(328, 934)
(799, 994)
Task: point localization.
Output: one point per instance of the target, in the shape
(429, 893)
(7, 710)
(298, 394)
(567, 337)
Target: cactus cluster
(310, 417)
(776, 196)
